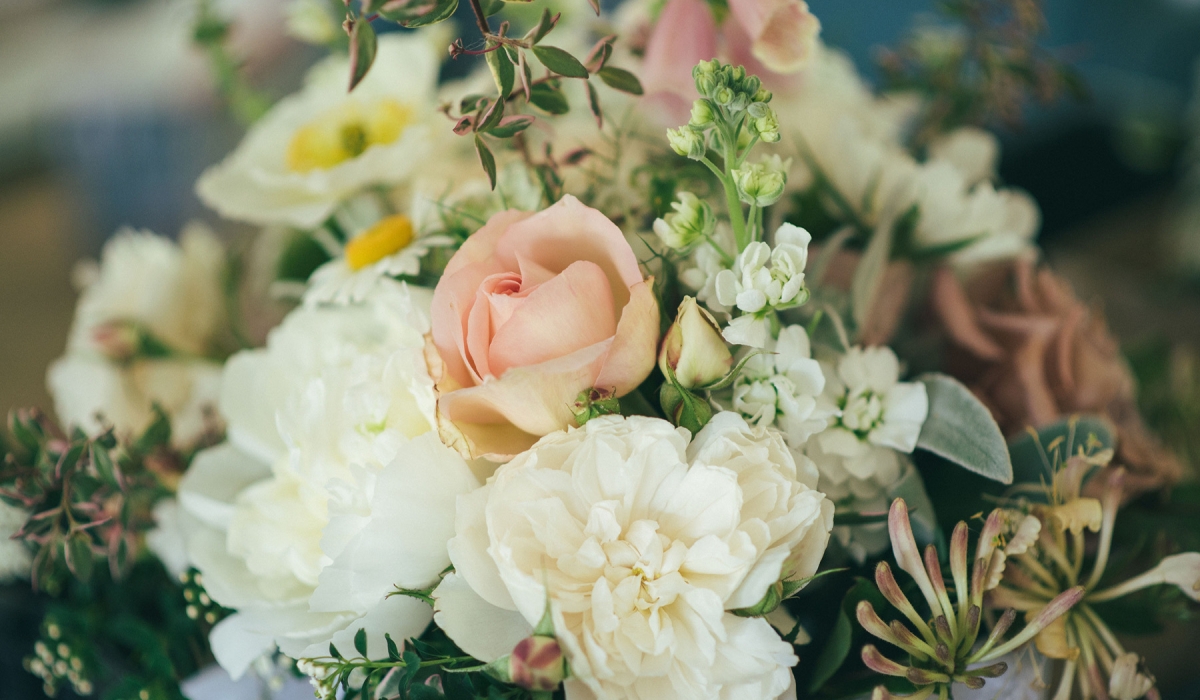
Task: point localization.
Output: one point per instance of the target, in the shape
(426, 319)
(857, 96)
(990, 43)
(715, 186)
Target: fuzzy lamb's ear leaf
(960, 428)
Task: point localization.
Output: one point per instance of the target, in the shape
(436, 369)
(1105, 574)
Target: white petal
(235, 646)
(476, 626)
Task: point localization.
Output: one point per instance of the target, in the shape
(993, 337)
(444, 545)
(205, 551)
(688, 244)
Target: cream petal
(235, 646)
(476, 626)
(631, 357)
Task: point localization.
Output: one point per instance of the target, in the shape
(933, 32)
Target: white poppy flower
(641, 542)
(322, 145)
(878, 419)
(333, 487)
(146, 292)
(784, 388)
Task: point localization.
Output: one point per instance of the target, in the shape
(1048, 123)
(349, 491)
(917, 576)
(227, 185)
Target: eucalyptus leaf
(560, 61)
(961, 429)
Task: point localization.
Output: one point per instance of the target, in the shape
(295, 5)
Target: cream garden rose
(333, 487)
(642, 542)
(323, 145)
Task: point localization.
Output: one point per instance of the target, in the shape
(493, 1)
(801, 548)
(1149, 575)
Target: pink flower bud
(537, 663)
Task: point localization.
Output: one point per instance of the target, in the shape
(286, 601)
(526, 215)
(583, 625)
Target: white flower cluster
(764, 279)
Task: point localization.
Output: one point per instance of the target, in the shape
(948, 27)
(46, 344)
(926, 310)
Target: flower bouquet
(658, 357)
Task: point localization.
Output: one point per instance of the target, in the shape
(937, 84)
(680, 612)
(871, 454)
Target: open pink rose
(532, 310)
(771, 38)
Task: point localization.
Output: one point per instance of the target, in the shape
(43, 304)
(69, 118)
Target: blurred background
(109, 112)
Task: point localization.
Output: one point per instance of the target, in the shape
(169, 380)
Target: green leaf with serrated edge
(393, 650)
(441, 12)
(360, 642)
(594, 105)
(363, 45)
(511, 126)
(620, 79)
(486, 159)
(549, 98)
(961, 429)
(560, 61)
(502, 71)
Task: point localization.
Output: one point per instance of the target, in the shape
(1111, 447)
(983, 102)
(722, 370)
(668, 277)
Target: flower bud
(693, 219)
(686, 141)
(723, 96)
(766, 125)
(537, 663)
(693, 347)
(703, 114)
(592, 403)
(763, 95)
(761, 184)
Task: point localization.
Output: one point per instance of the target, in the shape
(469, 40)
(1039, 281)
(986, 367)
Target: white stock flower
(323, 144)
(878, 420)
(333, 487)
(764, 279)
(15, 557)
(642, 542)
(784, 388)
(144, 286)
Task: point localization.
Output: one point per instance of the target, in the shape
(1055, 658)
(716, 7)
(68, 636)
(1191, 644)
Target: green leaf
(492, 7)
(549, 98)
(621, 79)
(363, 45)
(560, 61)
(335, 653)
(594, 105)
(508, 127)
(104, 464)
(491, 116)
(835, 651)
(544, 25)
(961, 429)
(412, 666)
(486, 159)
(360, 642)
(502, 71)
(79, 555)
(441, 12)
(393, 650)
(157, 435)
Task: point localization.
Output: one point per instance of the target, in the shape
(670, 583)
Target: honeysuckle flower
(322, 145)
(877, 420)
(764, 279)
(388, 248)
(693, 348)
(692, 221)
(943, 650)
(642, 542)
(148, 318)
(333, 488)
(783, 387)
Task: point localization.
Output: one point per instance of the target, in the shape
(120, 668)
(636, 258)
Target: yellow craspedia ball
(381, 240)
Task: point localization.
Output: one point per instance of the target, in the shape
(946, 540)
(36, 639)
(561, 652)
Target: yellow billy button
(345, 132)
(381, 240)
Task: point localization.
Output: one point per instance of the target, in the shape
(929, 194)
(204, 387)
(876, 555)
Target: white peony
(333, 487)
(783, 388)
(15, 557)
(144, 287)
(641, 542)
(878, 420)
(322, 145)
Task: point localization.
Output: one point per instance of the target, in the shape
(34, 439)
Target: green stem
(726, 258)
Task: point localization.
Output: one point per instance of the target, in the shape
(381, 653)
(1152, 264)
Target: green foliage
(961, 429)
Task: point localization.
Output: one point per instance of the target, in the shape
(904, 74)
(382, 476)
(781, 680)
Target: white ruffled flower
(878, 420)
(146, 291)
(641, 542)
(323, 145)
(784, 388)
(764, 279)
(333, 487)
(15, 558)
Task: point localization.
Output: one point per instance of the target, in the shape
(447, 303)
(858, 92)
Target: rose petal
(631, 358)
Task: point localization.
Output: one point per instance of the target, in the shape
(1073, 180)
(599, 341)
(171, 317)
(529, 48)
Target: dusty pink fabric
(532, 310)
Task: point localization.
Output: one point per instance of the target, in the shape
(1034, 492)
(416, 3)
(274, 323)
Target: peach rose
(532, 310)
(1034, 353)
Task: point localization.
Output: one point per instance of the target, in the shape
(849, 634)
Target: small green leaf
(560, 61)
(79, 555)
(493, 7)
(594, 105)
(835, 651)
(363, 45)
(491, 116)
(104, 464)
(549, 97)
(412, 666)
(393, 650)
(544, 25)
(334, 652)
(441, 12)
(157, 435)
(486, 159)
(961, 429)
(511, 126)
(620, 79)
(360, 642)
(502, 71)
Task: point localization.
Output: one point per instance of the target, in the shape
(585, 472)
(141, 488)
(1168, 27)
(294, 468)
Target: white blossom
(641, 542)
(784, 388)
(764, 279)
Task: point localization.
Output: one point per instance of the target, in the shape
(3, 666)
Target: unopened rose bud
(686, 141)
(761, 184)
(693, 219)
(703, 114)
(693, 347)
(537, 663)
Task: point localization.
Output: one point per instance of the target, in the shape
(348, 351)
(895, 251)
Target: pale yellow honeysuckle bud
(693, 347)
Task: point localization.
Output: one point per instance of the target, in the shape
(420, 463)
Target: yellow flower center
(381, 240)
(345, 132)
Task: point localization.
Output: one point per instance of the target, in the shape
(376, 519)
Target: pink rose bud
(693, 347)
(537, 663)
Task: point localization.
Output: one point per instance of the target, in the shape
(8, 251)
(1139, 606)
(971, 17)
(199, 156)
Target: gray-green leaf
(960, 428)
